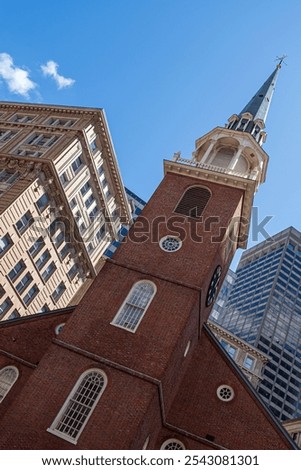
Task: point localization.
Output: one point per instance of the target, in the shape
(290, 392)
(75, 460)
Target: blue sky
(166, 72)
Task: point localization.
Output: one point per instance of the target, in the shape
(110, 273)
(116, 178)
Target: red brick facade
(154, 390)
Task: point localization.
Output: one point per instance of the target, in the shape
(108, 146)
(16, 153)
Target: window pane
(8, 376)
(79, 406)
(42, 202)
(5, 243)
(135, 305)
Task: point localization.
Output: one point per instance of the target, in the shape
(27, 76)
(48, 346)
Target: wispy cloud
(17, 79)
(50, 69)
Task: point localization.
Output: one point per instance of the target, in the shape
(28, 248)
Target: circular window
(172, 444)
(59, 328)
(170, 243)
(225, 393)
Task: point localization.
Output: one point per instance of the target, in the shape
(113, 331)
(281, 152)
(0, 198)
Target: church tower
(128, 355)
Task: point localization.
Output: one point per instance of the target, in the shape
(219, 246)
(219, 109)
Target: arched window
(8, 376)
(223, 157)
(242, 165)
(80, 404)
(193, 201)
(135, 305)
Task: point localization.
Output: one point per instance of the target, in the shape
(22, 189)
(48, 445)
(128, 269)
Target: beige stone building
(293, 427)
(61, 204)
(249, 359)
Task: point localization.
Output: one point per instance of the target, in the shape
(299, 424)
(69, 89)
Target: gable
(241, 423)
(28, 338)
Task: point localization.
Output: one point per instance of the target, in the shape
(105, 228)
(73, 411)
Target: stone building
(61, 204)
(293, 427)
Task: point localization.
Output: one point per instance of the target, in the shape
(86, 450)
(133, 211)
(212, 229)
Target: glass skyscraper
(264, 309)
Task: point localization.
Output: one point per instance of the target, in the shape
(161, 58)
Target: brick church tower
(135, 366)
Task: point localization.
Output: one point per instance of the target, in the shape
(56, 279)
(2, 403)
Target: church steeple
(232, 155)
(253, 117)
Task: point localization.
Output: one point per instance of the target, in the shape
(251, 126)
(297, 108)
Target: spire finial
(281, 60)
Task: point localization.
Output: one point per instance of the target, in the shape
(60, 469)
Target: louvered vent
(193, 202)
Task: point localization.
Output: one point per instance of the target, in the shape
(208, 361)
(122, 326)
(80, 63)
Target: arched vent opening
(193, 202)
(242, 165)
(223, 157)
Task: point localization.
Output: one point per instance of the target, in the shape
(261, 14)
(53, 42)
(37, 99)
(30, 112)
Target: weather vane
(281, 59)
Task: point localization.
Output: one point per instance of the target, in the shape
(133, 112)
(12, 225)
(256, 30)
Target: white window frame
(27, 153)
(121, 310)
(43, 259)
(29, 296)
(79, 167)
(24, 282)
(47, 273)
(2, 371)
(38, 203)
(52, 429)
(229, 390)
(7, 306)
(36, 139)
(14, 273)
(60, 122)
(5, 243)
(8, 177)
(59, 328)
(253, 362)
(23, 118)
(7, 135)
(24, 222)
(56, 294)
(170, 441)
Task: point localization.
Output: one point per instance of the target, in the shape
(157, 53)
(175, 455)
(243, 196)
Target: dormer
(232, 121)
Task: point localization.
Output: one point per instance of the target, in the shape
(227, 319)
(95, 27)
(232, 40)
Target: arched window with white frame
(135, 305)
(79, 405)
(8, 376)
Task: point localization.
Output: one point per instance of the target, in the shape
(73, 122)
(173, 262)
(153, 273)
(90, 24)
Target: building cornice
(49, 108)
(242, 344)
(109, 152)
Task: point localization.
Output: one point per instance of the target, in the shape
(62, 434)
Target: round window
(170, 243)
(59, 328)
(172, 444)
(225, 393)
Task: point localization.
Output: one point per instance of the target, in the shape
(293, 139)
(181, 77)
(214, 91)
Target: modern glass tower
(264, 309)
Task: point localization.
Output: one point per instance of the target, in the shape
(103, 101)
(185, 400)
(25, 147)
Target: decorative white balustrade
(252, 175)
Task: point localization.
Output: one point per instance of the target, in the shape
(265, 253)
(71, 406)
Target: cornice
(108, 150)
(245, 346)
(26, 166)
(49, 108)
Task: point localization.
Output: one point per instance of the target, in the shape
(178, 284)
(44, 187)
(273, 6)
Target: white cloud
(50, 69)
(17, 79)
